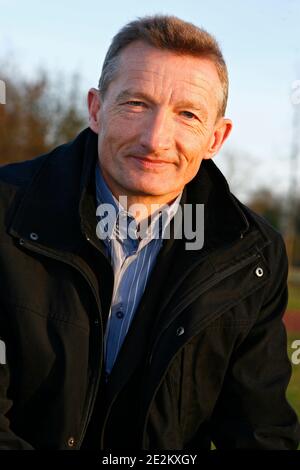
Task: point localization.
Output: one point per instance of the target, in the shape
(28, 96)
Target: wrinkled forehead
(142, 63)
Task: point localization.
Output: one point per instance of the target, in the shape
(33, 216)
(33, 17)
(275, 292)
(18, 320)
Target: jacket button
(259, 272)
(21, 241)
(180, 331)
(71, 442)
(34, 236)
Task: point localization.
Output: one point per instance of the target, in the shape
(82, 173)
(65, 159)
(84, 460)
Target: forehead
(145, 66)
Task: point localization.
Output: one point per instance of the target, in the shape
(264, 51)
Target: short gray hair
(169, 33)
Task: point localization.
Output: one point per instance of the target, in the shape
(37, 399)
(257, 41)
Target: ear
(94, 104)
(221, 132)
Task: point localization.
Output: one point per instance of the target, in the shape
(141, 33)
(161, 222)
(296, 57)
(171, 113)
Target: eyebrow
(126, 94)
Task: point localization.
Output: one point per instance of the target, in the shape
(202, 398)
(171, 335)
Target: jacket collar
(57, 195)
(59, 204)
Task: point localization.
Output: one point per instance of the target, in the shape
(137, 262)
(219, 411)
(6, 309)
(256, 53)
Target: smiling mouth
(150, 163)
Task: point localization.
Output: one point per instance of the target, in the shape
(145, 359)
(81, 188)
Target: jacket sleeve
(8, 440)
(252, 411)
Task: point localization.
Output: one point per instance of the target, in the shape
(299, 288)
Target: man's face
(157, 122)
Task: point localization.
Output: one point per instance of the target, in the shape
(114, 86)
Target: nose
(158, 132)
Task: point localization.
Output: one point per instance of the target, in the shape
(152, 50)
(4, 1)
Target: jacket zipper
(95, 384)
(209, 284)
(191, 296)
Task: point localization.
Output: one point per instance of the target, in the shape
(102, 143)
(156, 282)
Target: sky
(260, 41)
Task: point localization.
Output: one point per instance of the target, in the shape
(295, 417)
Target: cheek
(190, 139)
(118, 131)
(191, 150)
(193, 168)
(191, 157)
(190, 170)
(194, 148)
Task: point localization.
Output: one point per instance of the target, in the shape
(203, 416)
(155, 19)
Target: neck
(141, 206)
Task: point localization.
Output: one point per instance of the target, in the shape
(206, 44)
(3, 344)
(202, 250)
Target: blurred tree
(267, 204)
(296, 241)
(275, 210)
(241, 170)
(37, 116)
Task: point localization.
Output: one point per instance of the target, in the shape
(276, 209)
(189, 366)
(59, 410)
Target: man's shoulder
(20, 173)
(274, 241)
(16, 177)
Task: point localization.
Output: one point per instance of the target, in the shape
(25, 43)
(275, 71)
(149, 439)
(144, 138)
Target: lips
(150, 161)
(148, 164)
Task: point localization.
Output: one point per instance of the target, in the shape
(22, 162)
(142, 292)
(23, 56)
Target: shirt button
(120, 314)
(71, 442)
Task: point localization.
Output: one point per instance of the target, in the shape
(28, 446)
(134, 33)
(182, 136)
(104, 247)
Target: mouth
(150, 163)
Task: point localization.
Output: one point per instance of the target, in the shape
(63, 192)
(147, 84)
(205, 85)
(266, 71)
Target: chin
(146, 191)
(153, 188)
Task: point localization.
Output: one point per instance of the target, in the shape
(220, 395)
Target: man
(142, 341)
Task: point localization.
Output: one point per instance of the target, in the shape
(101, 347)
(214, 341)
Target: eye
(188, 115)
(135, 103)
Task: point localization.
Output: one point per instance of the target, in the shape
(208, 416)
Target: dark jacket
(205, 358)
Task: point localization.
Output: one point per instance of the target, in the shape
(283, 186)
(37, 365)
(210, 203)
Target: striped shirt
(132, 259)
